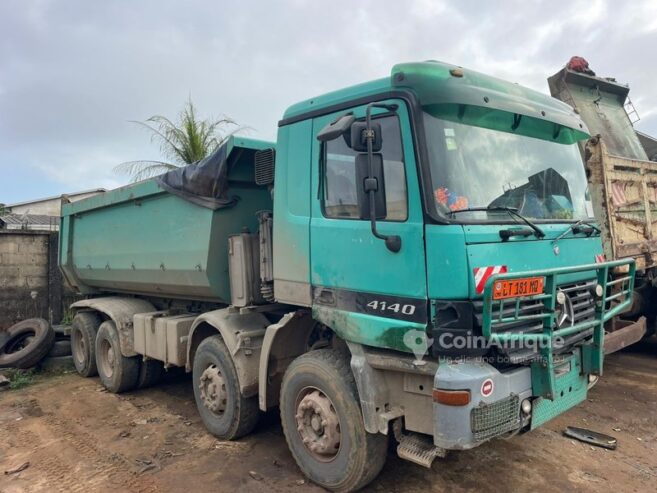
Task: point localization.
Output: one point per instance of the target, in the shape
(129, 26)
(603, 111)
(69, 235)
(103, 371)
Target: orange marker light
(451, 397)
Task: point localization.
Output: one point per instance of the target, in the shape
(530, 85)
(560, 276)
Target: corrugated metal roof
(29, 221)
(45, 199)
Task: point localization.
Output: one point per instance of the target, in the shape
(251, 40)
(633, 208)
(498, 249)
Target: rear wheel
(117, 372)
(83, 342)
(150, 373)
(323, 423)
(225, 412)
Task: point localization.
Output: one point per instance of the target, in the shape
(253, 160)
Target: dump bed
(143, 239)
(601, 104)
(624, 195)
(622, 182)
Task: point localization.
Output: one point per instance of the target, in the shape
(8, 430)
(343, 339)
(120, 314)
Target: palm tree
(182, 143)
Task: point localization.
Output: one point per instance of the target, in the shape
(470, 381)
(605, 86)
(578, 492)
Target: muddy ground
(78, 437)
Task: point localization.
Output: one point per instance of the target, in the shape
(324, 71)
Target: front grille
(583, 301)
(490, 420)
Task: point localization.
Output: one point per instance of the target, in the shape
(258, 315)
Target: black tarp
(203, 183)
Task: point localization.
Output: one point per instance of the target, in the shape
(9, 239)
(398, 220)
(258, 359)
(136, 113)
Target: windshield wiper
(577, 228)
(510, 210)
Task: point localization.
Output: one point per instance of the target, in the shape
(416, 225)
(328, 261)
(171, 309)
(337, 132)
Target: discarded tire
(61, 347)
(28, 343)
(57, 364)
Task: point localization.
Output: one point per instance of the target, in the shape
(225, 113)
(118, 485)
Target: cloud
(73, 72)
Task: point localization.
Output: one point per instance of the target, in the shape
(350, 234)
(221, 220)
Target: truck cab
(492, 300)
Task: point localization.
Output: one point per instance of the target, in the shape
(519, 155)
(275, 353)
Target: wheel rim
(19, 342)
(318, 424)
(107, 358)
(78, 347)
(213, 390)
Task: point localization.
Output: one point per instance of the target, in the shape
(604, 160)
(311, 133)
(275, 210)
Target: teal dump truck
(413, 258)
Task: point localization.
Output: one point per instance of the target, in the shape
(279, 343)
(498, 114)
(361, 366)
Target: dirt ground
(77, 437)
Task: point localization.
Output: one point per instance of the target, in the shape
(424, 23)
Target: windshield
(479, 167)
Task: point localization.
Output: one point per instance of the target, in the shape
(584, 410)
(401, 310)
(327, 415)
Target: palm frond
(184, 142)
(140, 170)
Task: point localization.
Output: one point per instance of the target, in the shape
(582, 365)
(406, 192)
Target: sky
(75, 73)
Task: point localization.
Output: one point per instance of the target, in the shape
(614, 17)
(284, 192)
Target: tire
(57, 364)
(27, 343)
(61, 331)
(319, 387)
(234, 415)
(60, 348)
(117, 373)
(150, 373)
(83, 342)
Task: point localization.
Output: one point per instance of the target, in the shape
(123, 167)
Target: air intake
(264, 166)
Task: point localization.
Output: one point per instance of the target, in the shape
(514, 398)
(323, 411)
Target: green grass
(20, 378)
(67, 318)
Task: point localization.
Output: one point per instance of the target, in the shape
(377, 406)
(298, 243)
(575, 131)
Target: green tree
(184, 142)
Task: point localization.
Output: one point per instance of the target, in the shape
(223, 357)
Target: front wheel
(225, 412)
(323, 423)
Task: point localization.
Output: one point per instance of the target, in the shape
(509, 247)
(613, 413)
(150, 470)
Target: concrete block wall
(25, 288)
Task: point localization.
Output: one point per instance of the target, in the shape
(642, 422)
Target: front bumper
(500, 412)
(614, 297)
(552, 383)
(453, 425)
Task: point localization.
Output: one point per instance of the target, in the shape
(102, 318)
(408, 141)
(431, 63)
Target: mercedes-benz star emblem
(565, 312)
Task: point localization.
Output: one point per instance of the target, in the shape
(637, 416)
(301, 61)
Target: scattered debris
(169, 453)
(255, 475)
(300, 482)
(591, 437)
(124, 434)
(18, 469)
(147, 465)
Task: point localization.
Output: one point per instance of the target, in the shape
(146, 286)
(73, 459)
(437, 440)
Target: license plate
(517, 287)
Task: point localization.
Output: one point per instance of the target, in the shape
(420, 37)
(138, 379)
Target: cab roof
(436, 82)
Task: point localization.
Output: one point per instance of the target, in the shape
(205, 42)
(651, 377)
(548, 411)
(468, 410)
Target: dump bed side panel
(624, 195)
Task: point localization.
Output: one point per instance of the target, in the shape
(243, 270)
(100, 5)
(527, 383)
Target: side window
(340, 196)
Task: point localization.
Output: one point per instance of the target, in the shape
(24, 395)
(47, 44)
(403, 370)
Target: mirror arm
(393, 242)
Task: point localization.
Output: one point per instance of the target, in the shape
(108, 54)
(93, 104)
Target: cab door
(361, 289)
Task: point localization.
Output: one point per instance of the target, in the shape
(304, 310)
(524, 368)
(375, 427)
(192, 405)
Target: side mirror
(367, 184)
(357, 137)
(336, 128)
